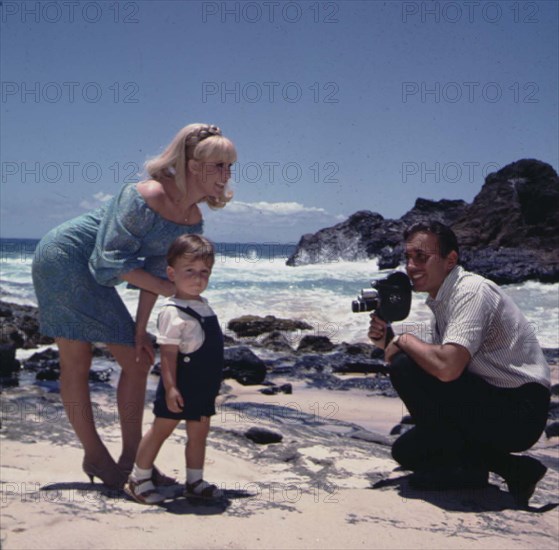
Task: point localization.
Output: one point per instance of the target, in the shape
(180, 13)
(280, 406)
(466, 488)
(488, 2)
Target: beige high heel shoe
(110, 475)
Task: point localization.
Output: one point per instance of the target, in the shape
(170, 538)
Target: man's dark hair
(446, 237)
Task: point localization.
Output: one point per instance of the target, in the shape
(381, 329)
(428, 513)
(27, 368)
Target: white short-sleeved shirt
(180, 329)
(475, 313)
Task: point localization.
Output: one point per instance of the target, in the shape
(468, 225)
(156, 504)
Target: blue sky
(334, 107)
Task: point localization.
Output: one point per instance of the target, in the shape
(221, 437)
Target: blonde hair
(193, 142)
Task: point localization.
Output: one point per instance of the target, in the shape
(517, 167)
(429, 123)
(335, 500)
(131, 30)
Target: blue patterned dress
(77, 265)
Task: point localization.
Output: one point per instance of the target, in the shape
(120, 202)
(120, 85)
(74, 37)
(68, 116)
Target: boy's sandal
(143, 491)
(202, 489)
(159, 479)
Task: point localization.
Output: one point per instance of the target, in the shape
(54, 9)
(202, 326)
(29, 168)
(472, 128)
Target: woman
(77, 265)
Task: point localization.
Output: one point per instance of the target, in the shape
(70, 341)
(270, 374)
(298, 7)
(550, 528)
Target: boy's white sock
(140, 473)
(193, 475)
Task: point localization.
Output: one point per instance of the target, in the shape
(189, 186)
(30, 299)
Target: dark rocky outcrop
(517, 207)
(244, 366)
(46, 366)
(263, 436)
(9, 366)
(359, 237)
(8, 362)
(19, 325)
(276, 341)
(510, 232)
(273, 389)
(512, 265)
(253, 325)
(312, 342)
(367, 234)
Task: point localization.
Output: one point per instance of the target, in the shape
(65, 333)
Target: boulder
(363, 366)
(276, 341)
(19, 325)
(312, 343)
(253, 325)
(46, 365)
(512, 265)
(272, 389)
(359, 237)
(263, 436)
(361, 348)
(367, 235)
(8, 362)
(516, 208)
(244, 366)
(41, 359)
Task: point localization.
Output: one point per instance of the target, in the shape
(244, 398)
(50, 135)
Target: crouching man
(480, 391)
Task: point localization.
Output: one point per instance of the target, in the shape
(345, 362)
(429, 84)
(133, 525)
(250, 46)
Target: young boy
(191, 344)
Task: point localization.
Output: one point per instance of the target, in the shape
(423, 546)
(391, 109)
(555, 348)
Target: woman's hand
(174, 400)
(377, 331)
(149, 283)
(167, 288)
(144, 348)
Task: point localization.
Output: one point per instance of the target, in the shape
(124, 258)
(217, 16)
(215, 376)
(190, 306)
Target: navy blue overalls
(199, 374)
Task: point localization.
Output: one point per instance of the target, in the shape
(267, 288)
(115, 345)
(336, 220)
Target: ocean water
(253, 279)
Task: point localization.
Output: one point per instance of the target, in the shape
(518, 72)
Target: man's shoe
(524, 475)
(447, 478)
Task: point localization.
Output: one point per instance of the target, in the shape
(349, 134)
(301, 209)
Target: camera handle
(389, 334)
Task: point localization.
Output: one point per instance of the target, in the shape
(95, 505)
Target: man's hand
(391, 350)
(174, 400)
(377, 331)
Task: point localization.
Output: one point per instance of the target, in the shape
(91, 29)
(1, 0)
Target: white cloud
(263, 221)
(96, 201)
(275, 208)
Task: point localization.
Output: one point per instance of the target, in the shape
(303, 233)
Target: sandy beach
(330, 483)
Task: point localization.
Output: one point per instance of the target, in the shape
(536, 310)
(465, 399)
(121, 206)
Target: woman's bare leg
(131, 394)
(75, 363)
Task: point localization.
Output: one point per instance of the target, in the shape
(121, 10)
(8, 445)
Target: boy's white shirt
(180, 329)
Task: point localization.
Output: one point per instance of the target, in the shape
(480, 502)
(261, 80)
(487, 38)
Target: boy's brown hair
(192, 247)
